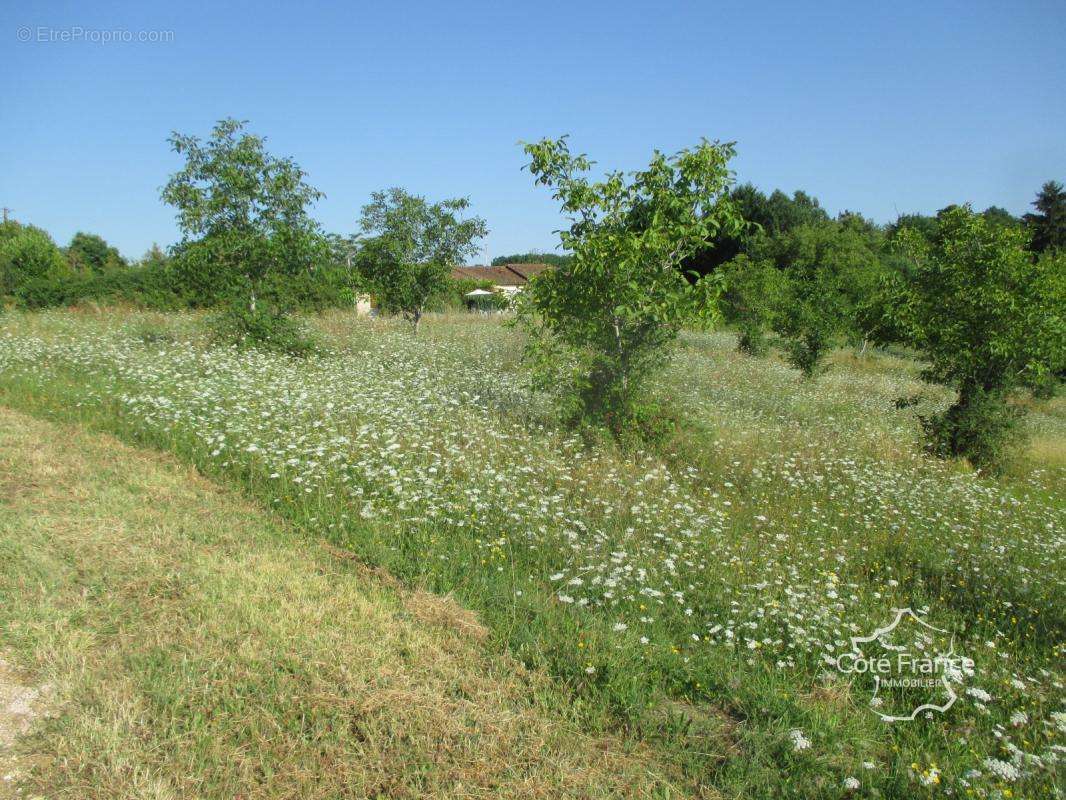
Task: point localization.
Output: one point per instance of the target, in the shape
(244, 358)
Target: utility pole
(7, 211)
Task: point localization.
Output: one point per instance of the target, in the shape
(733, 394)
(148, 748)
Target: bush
(264, 328)
(752, 340)
(826, 267)
(1045, 387)
(153, 334)
(807, 349)
(753, 297)
(38, 293)
(145, 287)
(29, 261)
(982, 427)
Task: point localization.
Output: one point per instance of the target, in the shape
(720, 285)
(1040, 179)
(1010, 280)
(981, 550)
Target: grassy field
(194, 647)
(688, 600)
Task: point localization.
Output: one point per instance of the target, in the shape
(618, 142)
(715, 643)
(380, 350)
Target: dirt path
(20, 705)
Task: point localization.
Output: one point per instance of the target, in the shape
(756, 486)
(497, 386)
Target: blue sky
(904, 107)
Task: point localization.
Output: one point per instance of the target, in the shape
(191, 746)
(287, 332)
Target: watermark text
(77, 34)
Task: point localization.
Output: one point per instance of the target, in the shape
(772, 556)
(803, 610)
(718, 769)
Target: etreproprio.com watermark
(73, 34)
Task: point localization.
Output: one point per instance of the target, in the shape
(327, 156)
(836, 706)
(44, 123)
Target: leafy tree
(784, 213)
(30, 264)
(927, 225)
(412, 246)
(754, 291)
(554, 259)
(923, 224)
(1000, 216)
(154, 258)
(767, 216)
(830, 267)
(608, 316)
(9, 229)
(1048, 225)
(90, 252)
(244, 218)
(987, 317)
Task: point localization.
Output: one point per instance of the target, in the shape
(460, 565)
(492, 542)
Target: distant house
(506, 278)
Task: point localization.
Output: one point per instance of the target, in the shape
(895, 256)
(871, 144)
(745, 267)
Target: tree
(412, 246)
(987, 317)
(767, 217)
(923, 224)
(31, 266)
(154, 258)
(754, 291)
(87, 251)
(1000, 216)
(243, 215)
(1048, 225)
(830, 267)
(607, 317)
(534, 257)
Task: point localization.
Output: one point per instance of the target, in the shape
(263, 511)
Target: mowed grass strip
(197, 648)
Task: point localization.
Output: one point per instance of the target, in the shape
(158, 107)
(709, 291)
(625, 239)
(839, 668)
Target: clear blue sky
(906, 107)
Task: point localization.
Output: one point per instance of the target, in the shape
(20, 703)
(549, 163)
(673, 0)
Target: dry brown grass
(198, 649)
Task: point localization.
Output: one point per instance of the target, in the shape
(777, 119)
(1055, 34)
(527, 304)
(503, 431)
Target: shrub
(981, 426)
(88, 252)
(807, 348)
(29, 262)
(152, 334)
(828, 266)
(753, 295)
(264, 327)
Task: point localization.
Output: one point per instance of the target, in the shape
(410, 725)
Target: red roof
(528, 271)
(503, 275)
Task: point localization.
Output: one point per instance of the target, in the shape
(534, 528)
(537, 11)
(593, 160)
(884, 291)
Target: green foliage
(830, 270)
(1048, 224)
(412, 247)
(554, 259)
(151, 333)
(455, 297)
(247, 236)
(768, 216)
(262, 327)
(986, 315)
(89, 252)
(602, 323)
(243, 214)
(778, 213)
(153, 258)
(980, 426)
(30, 263)
(754, 291)
(144, 286)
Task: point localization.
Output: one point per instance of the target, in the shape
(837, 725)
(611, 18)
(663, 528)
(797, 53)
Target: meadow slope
(195, 647)
(692, 596)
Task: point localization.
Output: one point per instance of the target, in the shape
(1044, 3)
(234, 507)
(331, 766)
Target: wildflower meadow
(695, 593)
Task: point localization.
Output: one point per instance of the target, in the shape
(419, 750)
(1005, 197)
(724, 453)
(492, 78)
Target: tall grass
(694, 595)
